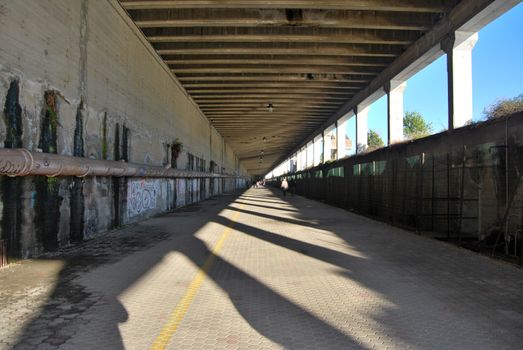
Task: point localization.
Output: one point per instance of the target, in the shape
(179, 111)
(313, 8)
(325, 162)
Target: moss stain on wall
(77, 221)
(12, 187)
(48, 200)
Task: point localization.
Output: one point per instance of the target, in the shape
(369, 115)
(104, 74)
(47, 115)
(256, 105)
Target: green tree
(504, 107)
(415, 126)
(374, 140)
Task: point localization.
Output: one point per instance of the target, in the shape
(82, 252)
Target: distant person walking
(284, 186)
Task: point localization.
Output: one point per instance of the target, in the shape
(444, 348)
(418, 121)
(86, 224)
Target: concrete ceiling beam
(298, 86)
(257, 102)
(369, 37)
(275, 95)
(278, 18)
(295, 61)
(278, 70)
(301, 91)
(438, 6)
(331, 79)
(304, 50)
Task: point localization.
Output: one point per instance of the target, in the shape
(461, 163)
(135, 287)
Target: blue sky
(497, 72)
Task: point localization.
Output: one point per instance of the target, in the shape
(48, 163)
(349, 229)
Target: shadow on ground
(433, 301)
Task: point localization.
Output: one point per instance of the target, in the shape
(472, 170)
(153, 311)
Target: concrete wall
(463, 187)
(84, 81)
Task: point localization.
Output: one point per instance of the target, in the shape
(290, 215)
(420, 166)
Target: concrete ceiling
(306, 58)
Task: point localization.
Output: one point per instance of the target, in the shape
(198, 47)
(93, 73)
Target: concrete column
(304, 163)
(341, 131)
(323, 157)
(337, 142)
(312, 157)
(459, 76)
(303, 158)
(395, 90)
(317, 149)
(327, 146)
(310, 153)
(330, 142)
(362, 128)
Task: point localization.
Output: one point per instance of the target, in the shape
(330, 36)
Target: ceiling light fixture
(270, 107)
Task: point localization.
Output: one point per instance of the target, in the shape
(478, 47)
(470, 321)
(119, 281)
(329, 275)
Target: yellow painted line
(176, 317)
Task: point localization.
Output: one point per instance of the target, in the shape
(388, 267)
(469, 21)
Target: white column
(310, 154)
(341, 132)
(362, 128)
(322, 159)
(459, 72)
(327, 146)
(395, 91)
(335, 143)
(318, 148)
(303, 158)
(306, 164)
(328, 142)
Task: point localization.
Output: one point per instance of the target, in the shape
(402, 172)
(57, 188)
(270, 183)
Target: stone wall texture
(77, 78)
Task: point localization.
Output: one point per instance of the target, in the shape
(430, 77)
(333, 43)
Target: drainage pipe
(21, 162)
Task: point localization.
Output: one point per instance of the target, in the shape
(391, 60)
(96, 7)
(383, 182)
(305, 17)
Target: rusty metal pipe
(21, 162)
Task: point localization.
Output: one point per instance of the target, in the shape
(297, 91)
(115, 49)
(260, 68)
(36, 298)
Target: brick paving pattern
(292, 274)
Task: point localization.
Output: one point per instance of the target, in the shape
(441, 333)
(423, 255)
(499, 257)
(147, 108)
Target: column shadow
(82, 317)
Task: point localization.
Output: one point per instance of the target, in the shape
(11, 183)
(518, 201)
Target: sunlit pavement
(262, 271)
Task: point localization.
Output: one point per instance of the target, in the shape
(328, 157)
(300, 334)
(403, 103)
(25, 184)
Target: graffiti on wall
(142, 196)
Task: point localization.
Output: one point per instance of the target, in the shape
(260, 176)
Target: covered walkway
(258, 270)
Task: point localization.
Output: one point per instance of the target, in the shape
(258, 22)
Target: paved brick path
(282, 273)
